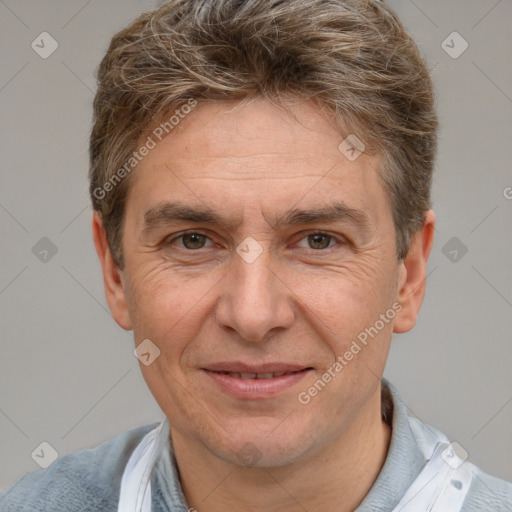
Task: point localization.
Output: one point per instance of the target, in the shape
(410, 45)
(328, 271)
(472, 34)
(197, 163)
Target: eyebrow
(172, 212)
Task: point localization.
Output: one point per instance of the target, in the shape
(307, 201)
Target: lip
(255, 389)
(239, 367)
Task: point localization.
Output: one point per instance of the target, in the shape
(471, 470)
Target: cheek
(347, 298)
(168, 307)
(345, 311)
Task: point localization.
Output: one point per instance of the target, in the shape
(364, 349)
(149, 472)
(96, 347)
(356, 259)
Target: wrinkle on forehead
(232, 161)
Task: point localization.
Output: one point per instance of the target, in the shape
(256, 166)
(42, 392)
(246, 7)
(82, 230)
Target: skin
(298, 302)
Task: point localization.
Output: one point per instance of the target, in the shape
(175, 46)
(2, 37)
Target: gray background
(67, 372)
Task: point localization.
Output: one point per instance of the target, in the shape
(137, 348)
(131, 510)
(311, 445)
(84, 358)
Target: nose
(253, 299)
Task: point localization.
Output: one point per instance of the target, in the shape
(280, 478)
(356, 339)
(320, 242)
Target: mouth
(255, 381)
(266, 375)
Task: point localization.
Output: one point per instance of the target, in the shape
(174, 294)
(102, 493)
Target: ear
(413, 274)
(113, 280)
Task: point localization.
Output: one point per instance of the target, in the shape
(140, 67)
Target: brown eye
(319, 241)
(193, 240)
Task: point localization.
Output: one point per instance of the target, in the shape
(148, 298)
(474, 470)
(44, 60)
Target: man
(260, 177)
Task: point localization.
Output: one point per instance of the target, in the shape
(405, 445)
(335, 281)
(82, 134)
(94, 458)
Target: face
(254, 247)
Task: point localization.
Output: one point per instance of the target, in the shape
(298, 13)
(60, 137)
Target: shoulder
(85, 480)
(487, 493)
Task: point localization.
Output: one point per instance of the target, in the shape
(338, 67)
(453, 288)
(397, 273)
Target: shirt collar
(404, 460)
(403, 463)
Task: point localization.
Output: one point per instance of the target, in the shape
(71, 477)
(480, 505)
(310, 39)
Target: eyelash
(322, 233)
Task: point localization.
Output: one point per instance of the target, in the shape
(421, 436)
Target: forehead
(255, 153)
(255, 130)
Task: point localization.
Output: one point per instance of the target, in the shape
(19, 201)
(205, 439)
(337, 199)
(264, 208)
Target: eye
(191, 240)
(318, 241)
(194, 240)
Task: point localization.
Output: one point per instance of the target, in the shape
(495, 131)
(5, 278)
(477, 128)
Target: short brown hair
(352, 57)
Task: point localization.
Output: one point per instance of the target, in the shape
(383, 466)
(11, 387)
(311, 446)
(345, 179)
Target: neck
(335, 479)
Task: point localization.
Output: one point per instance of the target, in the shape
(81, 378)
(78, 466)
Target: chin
(260, 449)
